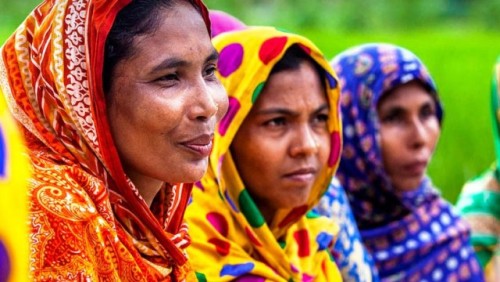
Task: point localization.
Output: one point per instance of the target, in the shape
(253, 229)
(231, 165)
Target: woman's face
(284, 142)
(164, 101)
(409, 131)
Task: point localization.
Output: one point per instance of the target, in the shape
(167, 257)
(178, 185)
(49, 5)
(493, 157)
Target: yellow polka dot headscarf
(231, 239)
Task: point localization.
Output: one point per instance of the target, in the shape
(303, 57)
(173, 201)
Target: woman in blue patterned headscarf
(392, 120)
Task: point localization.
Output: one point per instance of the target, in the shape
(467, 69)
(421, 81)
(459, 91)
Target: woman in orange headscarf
(118, 102)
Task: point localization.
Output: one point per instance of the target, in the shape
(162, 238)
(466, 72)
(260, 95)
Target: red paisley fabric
(88, 222)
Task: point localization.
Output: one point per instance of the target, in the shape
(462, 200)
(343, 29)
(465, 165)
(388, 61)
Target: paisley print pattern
(87, 220)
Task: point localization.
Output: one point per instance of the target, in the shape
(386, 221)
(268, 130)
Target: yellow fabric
(14, 243)
(230, 237)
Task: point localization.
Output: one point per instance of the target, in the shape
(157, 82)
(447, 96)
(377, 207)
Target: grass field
(461, 64)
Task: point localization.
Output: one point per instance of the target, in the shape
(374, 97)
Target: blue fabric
(354, 262)
(412, 236)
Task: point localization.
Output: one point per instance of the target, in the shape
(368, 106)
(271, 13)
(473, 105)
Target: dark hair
(292, 59)
(140, 17)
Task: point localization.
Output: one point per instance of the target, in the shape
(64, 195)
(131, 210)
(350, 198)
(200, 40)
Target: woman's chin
(192, 173)
(408, 184)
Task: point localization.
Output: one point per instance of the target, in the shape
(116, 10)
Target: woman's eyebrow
(213, 56)
(286, 111)
(276, 110)
(322, 108)
(175, 62)
(169, 63)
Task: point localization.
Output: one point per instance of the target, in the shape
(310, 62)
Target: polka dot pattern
(219, 222)
(3, 157)
(230, 201)
(221, 246)
(324, 240)
(293, 215)
(233, 227)
(233, 108)
(251, 278)
(250, 210)
(230, 59)
(307, 278)
(236, 269)
(332, 82)
(272, 48)
(252, 237)
(335, 148)
(312, 214)
(4, 263)
(302, 239)
(201, 277)
(257, 91)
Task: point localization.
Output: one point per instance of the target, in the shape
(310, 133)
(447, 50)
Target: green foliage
(13, 12)
(438, 31)
(364, 15)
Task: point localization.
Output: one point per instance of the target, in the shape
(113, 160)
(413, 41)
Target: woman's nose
(208, 102)
(304, 142)
(418, 134)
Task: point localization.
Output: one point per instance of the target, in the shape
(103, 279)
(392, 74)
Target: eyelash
(275, 122)
(279, 121)
(322, 117)
(392, 117)
(427, 111)
(424, 113)
(210, 71)
(168, 77)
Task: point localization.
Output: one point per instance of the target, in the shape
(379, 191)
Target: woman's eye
(392, 117)
(210, 71)
(427, 111)
(168, 77)
(321, 118)
(275, 122)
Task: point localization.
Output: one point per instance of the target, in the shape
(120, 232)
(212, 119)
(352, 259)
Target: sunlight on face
(409, 131)
(165, 101)
(284, 142)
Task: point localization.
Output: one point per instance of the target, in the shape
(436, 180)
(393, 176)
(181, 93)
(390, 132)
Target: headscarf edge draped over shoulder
(51, 76)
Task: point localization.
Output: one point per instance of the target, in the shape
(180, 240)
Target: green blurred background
(458, 40)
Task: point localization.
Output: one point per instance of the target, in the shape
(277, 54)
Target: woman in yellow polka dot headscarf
(274, 155)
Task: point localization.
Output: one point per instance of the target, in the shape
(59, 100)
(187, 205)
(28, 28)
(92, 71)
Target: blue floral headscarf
(412, 236)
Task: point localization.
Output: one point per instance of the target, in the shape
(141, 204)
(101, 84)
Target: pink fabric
(223, 22)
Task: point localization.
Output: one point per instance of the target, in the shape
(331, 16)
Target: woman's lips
(416, 168)
(202, 144)
(302, 175)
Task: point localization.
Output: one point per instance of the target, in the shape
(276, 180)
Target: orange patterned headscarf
(88, 220)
